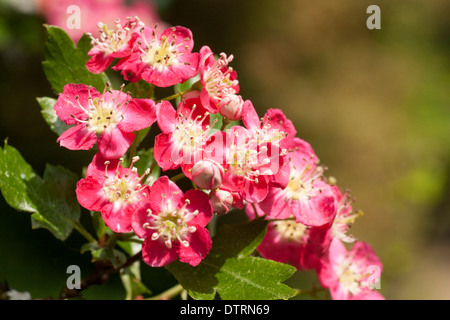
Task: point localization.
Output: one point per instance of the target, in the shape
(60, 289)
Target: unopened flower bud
(207, 174)
(221, 201)
(231, 107)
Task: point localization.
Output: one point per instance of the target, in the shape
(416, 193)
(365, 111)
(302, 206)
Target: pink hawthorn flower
(217, 78)
(113, 116)
(350, 275)
(112, 44)
(112, 190)
(250, 166)
(273, 128)
(184, 133)
(345, 217)
(163, 59)
(307, 197)
(173, 224)
(287, 241)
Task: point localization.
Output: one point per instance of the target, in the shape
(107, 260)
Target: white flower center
(171, 223)
(126, 189)
(291, 230)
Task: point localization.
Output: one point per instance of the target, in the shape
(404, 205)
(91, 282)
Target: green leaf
(48, 112)
(56, 202)
(229, 271)
(181, 87)
(140, 89)
(65, 63)
(51, 199)
(15, 176)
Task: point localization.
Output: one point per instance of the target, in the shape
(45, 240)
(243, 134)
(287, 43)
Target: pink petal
(182, 37)
(90, 194)
(117, 216)
(278, 121)
(77, 138)
(162, 189)
(99, 61)
(68, 106)
(281, 177)
(138, 219)
(163, 152)
(255, 192)
(156, 254)
(114, 144)
(140, 114)
(249, 116)
(131, 67)
(186, 108)
(319, 210)
(274, 205)
(199, 200)
(365, 255)
(276, 248)
(367, 294)
(161, 78)
(199, 245)
(97, 168)
(303, 152)
(207, 102)
(166, 116)
(336, 252)
(187, 66)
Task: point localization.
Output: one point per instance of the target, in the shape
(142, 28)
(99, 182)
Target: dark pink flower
(351, 275)
(112, 44)
(112, 116)
(113, 190)
(173, 224)
(287, 241)
(184, 133)
(306, 197)
(163, 59)
(345, 216)
(273, 128)
(250, 166)
(217, 78)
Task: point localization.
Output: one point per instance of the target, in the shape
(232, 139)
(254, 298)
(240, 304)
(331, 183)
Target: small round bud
(221, 201)
(207, 174)
(231, 107)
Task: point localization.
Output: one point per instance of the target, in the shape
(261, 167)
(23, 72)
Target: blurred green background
(374, 104)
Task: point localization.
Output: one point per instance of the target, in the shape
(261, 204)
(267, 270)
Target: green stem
(225, 123)
(138, 89)
(83, 232)
(195, 86)
(150, 92)
(168, 294)
(177, 177)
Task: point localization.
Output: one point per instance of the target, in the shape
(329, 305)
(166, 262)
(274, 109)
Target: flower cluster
(251, 163)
